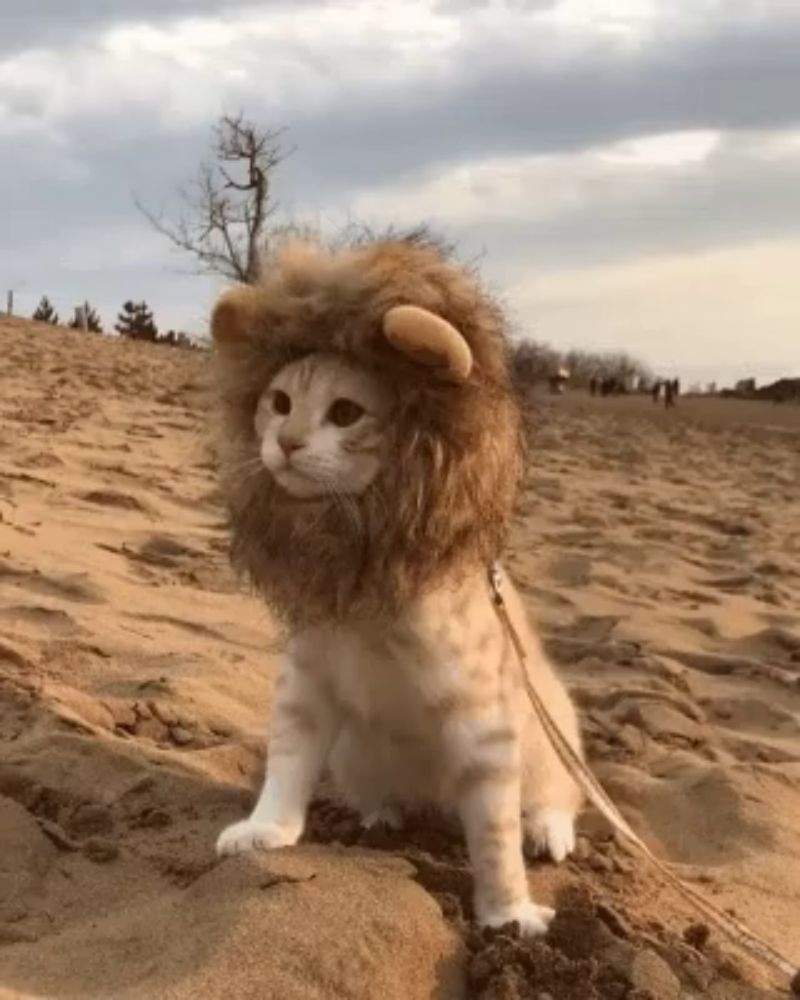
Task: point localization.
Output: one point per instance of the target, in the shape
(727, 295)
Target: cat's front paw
(252, 835)
(390, 817)
(533, 919)
(550, 831)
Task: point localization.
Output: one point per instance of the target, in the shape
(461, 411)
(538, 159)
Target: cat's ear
(430, 340)
(234, 315)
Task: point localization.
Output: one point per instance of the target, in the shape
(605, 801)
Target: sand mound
(658, 553)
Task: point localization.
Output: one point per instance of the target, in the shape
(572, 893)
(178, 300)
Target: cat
(425, 706)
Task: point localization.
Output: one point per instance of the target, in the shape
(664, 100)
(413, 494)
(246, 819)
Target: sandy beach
(660, 554)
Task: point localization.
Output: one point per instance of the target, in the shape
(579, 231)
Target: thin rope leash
(598, 796)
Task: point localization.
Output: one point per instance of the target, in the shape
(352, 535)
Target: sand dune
(661, 555)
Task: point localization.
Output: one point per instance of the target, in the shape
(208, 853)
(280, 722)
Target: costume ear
(429, 340)
(233, 315)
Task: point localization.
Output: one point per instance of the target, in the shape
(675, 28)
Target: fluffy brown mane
(442, 502)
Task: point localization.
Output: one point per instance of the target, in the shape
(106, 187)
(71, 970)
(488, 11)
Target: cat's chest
(391, 678)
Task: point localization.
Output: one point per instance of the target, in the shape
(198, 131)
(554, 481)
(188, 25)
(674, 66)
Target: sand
(661, 555)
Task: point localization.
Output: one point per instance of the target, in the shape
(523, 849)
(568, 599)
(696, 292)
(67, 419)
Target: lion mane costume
(441, 505)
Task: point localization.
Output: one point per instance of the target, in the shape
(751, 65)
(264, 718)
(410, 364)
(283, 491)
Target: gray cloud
(53, 22)
(745, 76)
(733, 197)
(466, 6)
(503, 95)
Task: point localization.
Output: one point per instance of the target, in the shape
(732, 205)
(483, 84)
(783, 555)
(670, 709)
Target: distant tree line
(533, 362)
(134, 322)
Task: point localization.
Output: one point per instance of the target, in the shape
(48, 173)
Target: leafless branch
(226, 209)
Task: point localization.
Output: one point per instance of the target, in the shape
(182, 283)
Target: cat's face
(320, 423)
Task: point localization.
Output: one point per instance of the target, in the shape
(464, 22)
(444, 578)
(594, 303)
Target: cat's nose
(288, 444)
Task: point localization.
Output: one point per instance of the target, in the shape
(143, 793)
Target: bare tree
(533, 362)
(229, 203)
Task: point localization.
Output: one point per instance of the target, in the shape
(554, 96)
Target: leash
(597, 795)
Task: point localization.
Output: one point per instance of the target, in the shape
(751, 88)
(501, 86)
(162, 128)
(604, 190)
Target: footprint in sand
(206, 570)
(112, 469)
(747, 751)
(753, 730)
(114, 498)
(40, 460)
(773, 644)
(52, 620)
(74, 587)
(165, 551)
(158, 550)
(572, 569)
(591, 628)
(701, 815)
(732, 584)
(193, 628)
(776, 568)
(27, 857)
(693, 598)
(705, 626)
(547, 488)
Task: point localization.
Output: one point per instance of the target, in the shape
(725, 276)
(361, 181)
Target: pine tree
(93, 324)
(136, 322)
(45, 313)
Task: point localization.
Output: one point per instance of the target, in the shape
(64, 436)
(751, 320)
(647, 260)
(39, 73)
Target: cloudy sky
(627, 171)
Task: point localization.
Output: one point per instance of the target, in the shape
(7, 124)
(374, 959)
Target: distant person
(669, 394)
(676, 389)
(656, 391)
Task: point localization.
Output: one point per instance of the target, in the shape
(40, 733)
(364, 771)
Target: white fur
(368, 702)
(323, 463)
(551, 832)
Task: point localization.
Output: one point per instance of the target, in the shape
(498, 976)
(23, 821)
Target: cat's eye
(345, 413)
(281, 403)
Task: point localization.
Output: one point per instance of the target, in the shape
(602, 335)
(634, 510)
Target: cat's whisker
(247, 471)
(377, 494)
(249, 465)
(344, 502)
(352, 511)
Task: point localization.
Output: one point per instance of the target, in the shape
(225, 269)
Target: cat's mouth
(299, 485)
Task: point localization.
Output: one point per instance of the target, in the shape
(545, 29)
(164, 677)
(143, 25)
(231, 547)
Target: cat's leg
(551, 799)
(302, 730)
(484, 760)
